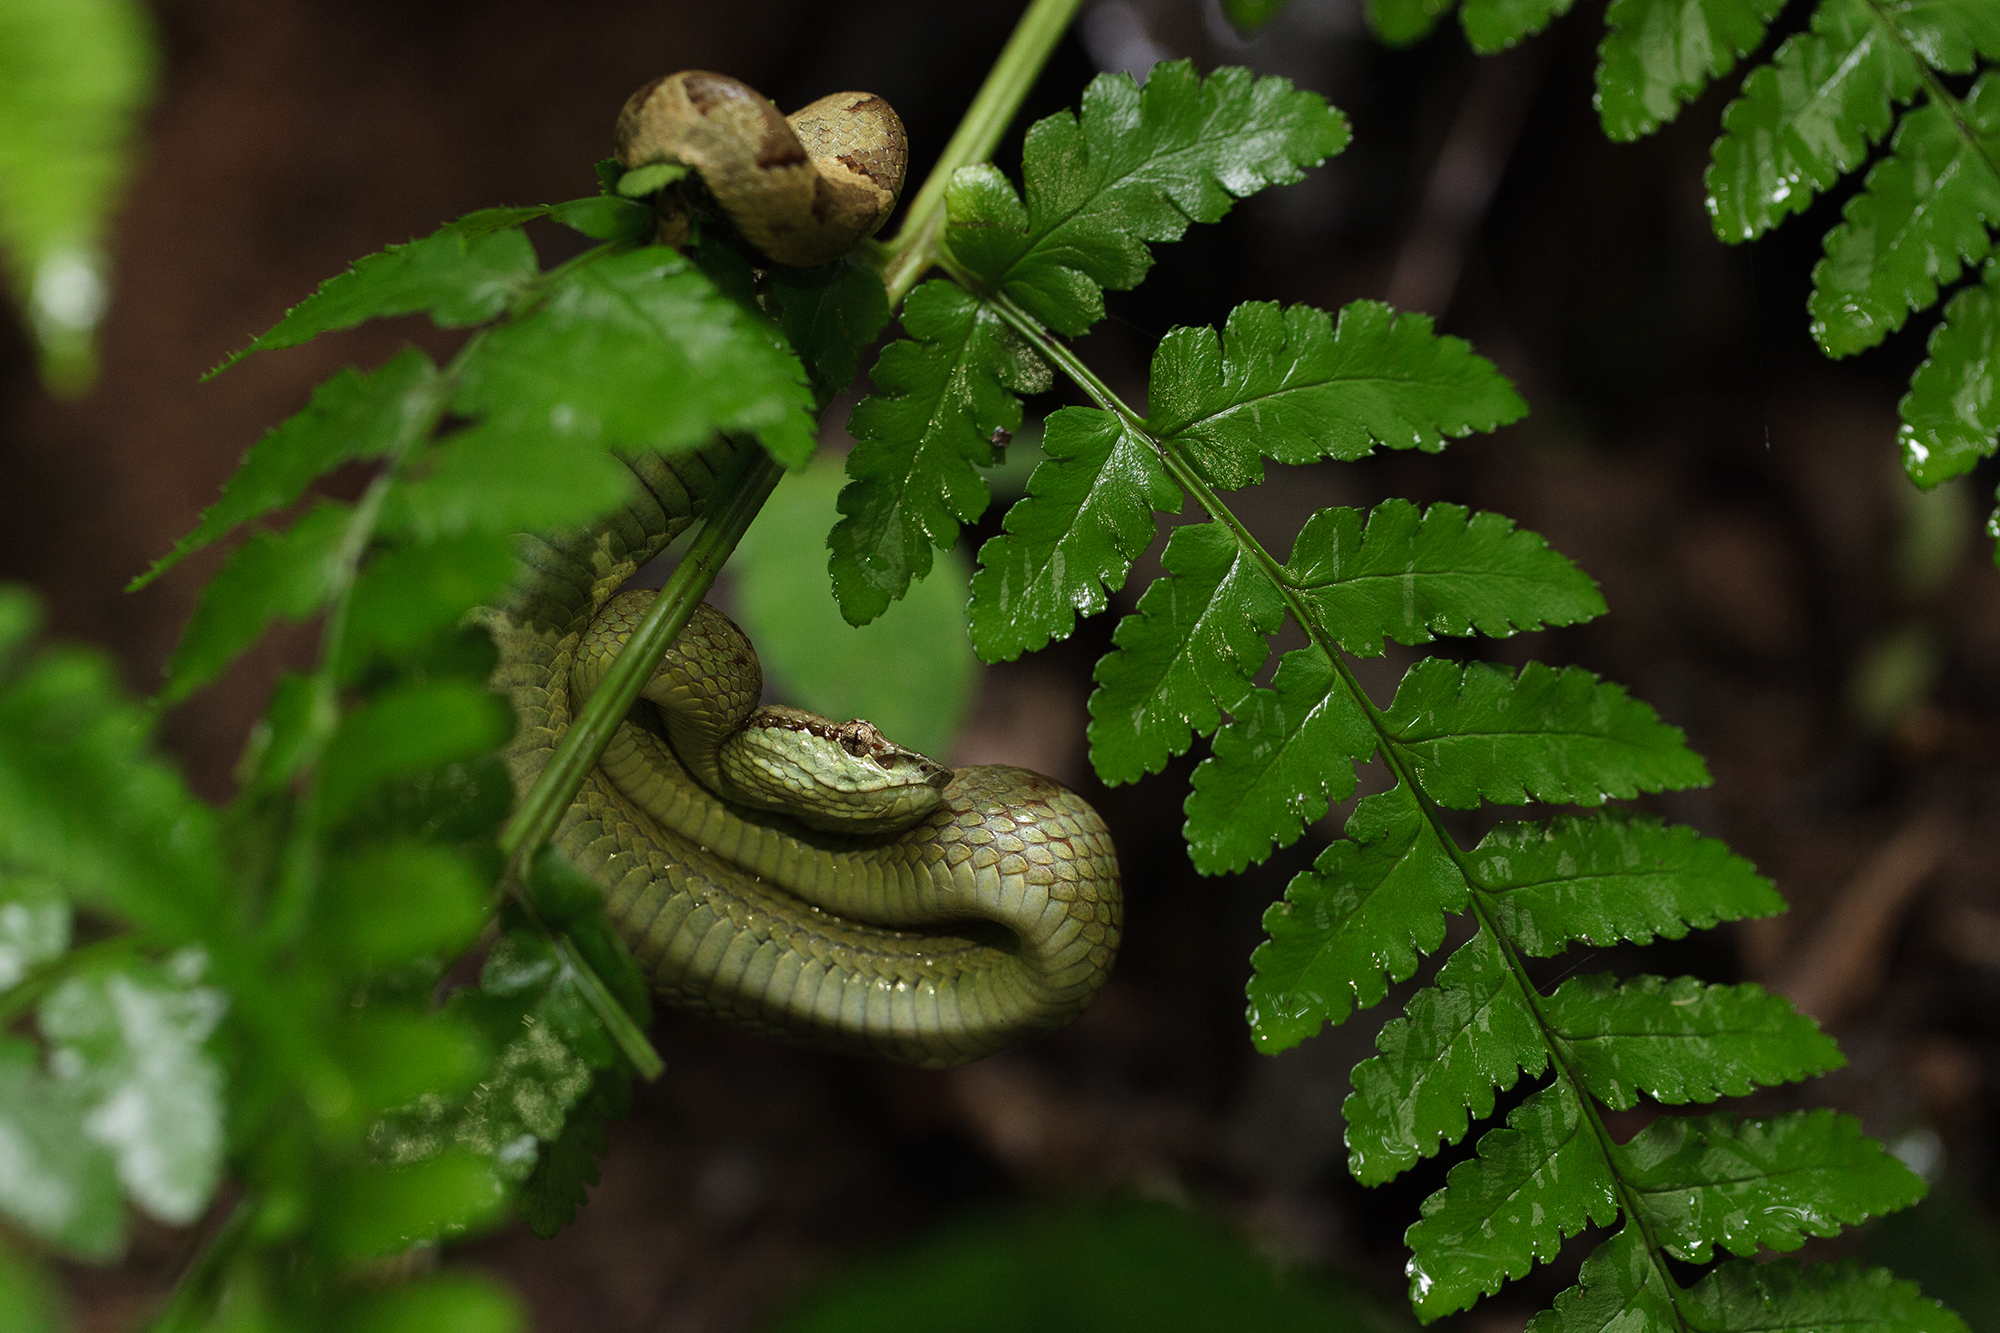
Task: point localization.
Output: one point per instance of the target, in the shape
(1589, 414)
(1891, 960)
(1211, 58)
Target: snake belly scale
(991, 918)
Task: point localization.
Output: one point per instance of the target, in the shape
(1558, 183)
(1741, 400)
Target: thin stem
(1184, 473)
(194, 1294)
(577, 753)
(915, 247)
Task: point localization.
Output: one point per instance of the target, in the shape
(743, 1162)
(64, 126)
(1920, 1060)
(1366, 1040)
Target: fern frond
(1136, 166)
(1291, 386)
(1535, 1182)
(944, 395)
(1951, 415)
(1621, 1287)
(1412, 576)
(1186, 655)
(1923, 215)
(1657, 56)
(1086, 517)
(1745, 1297)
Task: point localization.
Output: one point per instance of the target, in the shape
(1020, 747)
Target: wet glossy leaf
(1951, 415)
(1369, 905)
(1087, 516)
(1785, 1298)
(1412, 575)
(1537, 1181)
(1285, 755)
(1610, 877)
(1620, 1290)
(1184, 657)
(943, 396)
(1291, 385)
(1458, 1042)
(1479, 733)
(830, 315)
(1658, 55)
(1683, 1041)
(1704, 1181)
(1137, 165)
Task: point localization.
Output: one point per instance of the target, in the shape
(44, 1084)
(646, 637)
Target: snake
(764, 865)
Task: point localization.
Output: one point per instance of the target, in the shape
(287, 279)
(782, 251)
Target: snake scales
(994, 917)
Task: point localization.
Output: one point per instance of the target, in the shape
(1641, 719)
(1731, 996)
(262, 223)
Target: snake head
(838, 777)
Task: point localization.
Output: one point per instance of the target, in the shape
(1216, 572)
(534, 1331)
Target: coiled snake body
(993, 917)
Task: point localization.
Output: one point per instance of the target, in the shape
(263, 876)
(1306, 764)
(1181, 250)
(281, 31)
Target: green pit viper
(764, 865)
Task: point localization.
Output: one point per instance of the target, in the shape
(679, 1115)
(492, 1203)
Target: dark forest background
(1829, 638)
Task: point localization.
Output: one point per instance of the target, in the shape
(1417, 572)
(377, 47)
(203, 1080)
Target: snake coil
(993, 917)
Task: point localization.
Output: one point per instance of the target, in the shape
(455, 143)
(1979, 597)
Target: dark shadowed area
(1829, 637)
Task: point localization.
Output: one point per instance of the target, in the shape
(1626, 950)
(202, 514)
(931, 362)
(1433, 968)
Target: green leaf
(1923, 215)
(911, 672)
(395, 901)
(1349, 920)
(1609, 877)
(1139, 165)
(34, 925)
(639, 350)
(642, 181)
(1535, 1182)
(288, 575)
(1703, 1181)
(560, 1182)
(131, 1043)
(28, 1295)
(351, 416)
(830, 315)
(1086, 517)
(1290, 385)
(1495, 25)
(369, 1211)
(1950, 35)
(1478, 733)
(1782, 1297)
(1683, 1041)
(1620, 1290)
(392, 1056)
(1184, 656)
(943, 396)
(441, 1303)
(407, 596)
(418, 727)
(607, 218)
(1248, 16)
(1458, 1042)
(1951, 415)
(1285, 756)
(463, 273)
(74, 77)
(496, 479)
(1806, 118)
(1657, 56)
(55, 1181)
(1414, 576)
(1406, 22)
(84, 803)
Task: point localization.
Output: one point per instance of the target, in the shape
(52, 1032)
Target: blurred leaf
(911, 671)
(405, 596)
(368, 1211)
(34, 925)
(403, 733)
(1087, 516)
(560, 1182)
(396, 901)
(1136, 165)
(463, 273)
(494, 479)
(1248, 16)
(392, 1056)
(943, 395)
(28, 1299)
(1186, 655)
(1477, 732)
(74, 77)
(288, 575)
(1950, 1245)
(132, 1043)
(351, 416)
(1495, 25)
(607, 218)
(55, 1181)
(1117, 1269)
(1406, 22)
(639, 350)
(1414, 575)
(441, 1303)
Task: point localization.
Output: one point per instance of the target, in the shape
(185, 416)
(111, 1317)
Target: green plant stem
(915, 246)
(729, 518)
(1191, 481)
(194, 1295)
